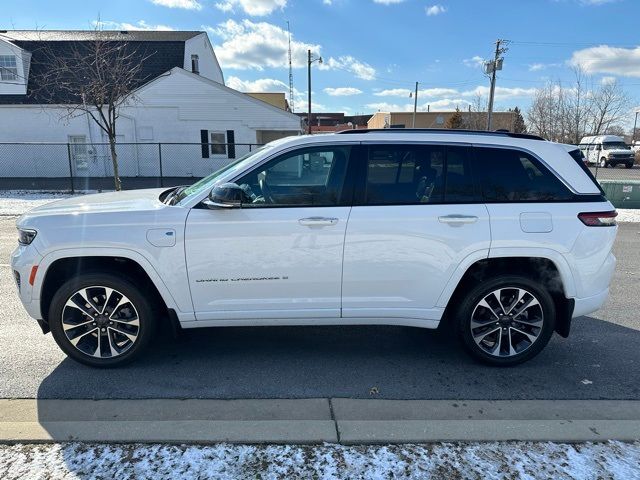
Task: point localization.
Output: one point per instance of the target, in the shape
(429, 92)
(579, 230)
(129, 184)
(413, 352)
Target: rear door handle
(317, 221)
(458, 219)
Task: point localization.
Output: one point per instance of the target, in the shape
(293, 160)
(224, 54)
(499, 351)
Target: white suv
(505, 237)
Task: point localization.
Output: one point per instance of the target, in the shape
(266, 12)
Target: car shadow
(599, 360)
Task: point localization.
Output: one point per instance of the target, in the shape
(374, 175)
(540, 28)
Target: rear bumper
(584, 306)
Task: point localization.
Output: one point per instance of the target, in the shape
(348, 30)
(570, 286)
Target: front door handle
(458, 219)
(317, 221)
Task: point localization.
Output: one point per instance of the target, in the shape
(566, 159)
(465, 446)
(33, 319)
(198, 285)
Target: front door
(416, 218)
(280, 254)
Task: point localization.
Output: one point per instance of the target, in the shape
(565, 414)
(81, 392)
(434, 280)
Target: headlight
(26, 236)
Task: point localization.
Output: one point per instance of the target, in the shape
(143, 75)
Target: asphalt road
(617, 173)
(600, 360)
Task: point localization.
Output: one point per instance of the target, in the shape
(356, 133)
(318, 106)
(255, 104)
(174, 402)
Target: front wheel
(101, 320)
(603, 163)
(506, 320)
(629, 165)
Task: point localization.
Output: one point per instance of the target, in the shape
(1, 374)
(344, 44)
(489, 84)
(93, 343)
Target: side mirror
(225, 195)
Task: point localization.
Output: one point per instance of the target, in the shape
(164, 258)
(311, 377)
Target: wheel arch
(55, 268)
(552, 273)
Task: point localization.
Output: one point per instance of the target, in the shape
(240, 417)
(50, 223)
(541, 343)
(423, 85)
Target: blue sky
(375, 50)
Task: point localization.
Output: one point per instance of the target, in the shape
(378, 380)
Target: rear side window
(404, 174)
(514, 176)
(418, 174)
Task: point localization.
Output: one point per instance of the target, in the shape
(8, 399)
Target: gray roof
(83, 35)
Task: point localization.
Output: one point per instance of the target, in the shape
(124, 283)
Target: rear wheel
(101, 320)
(603, 162)
(506, 320)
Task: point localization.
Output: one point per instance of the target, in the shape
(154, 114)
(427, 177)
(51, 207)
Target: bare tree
(97, 78)
(610, 103)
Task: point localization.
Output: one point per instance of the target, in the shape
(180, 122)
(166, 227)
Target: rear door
(416, 217)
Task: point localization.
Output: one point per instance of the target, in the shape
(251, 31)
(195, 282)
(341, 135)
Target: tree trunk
(114, 161)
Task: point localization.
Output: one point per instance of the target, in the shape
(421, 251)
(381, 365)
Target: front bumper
(23, 258)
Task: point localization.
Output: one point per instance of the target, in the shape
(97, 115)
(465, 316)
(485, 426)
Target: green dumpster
(622, 193)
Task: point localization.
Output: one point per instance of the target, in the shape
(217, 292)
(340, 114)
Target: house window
(8, 67)
(195, 68)
(218, 143)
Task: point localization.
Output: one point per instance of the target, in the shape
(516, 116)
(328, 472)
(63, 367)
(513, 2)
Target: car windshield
(228, 170)
(615, 146)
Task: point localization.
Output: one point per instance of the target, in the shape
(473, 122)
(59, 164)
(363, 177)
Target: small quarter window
(195, 64)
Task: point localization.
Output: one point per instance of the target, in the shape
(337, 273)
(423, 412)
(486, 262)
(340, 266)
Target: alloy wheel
(506, 322)
(100, 322)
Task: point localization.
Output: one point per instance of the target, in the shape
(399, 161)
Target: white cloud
(536, 67)
(608, 80)
(390, 107)
(387, 2)
(327, 2)
(256, 45)
(186, 4)
(427, 92)
(342, 91)
(256, 8)
(475, 61)
(139, 25)
(606, 59)
(347, 62)
(261, 85)
(596, 2)
(502, 93)
(434, 10)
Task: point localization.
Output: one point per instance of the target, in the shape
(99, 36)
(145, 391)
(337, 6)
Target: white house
(182, 100)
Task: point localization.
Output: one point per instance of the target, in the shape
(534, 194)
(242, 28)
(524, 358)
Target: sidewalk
(313, 421)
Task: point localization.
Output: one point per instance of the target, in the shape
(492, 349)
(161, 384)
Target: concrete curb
(309, 421)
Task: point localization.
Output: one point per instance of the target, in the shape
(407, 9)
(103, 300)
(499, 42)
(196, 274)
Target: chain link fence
(88, 166)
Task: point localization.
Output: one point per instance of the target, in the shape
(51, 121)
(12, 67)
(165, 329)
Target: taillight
(598, 219)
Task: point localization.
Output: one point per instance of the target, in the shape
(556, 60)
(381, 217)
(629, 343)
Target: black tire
(138, 299)
(604, 163)
(629, 165)
(466, 308)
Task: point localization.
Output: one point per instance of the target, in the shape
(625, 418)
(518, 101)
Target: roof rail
(499, 133)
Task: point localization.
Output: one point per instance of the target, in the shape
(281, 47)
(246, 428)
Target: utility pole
(492, 67)
(415, 107)
(310, 60)
(290, 72)
(635, 123)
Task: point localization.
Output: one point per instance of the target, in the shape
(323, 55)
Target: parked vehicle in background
(504, 236)
(607, 151)
(636, 146)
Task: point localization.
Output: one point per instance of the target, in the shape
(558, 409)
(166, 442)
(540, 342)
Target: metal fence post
(160, 160)
(70, 167)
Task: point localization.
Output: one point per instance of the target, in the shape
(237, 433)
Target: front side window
(8, 67)
(307, 177)
(515, 176)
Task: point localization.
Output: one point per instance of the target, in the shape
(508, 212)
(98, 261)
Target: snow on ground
(508, 460)
(16, 202)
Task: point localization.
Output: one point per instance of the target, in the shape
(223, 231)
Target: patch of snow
(628, 215)
(505, 460)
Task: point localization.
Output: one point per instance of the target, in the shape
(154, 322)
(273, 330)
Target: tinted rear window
(515, 176)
